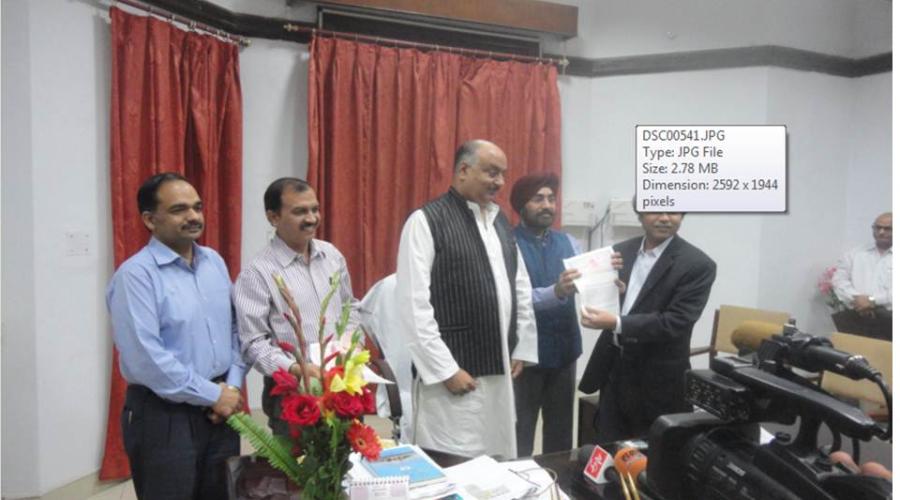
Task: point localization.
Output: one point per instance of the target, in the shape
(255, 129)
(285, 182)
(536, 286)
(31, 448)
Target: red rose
(285, 383)
(368, 401)
(345, 405)
(364, 440)
(300, 409)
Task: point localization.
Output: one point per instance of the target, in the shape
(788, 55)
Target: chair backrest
(877, 353)
(728, 318)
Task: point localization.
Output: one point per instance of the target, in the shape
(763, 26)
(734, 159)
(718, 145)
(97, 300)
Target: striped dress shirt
(260, 307)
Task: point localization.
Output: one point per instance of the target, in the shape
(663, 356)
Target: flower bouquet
(827, 290)
(322, 409)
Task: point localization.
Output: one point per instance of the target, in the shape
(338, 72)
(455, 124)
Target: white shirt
(482, 421)
(643, 264)
(865, 271)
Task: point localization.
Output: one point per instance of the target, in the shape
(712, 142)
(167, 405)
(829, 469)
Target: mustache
(547, 212)
(309, 225)
(192, 225)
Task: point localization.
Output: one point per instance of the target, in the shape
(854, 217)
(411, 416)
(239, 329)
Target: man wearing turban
(549, 386)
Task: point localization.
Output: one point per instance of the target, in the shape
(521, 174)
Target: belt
(142, 389)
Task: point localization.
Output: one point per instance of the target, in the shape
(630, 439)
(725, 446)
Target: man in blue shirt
(549, 386)
(174, 327)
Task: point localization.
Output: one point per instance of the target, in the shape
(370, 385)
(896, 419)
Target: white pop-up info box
(711, 168)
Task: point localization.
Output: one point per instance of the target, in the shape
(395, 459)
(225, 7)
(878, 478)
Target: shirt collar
(656, 251)
(285, 254)
(163, 255)
(492, 210)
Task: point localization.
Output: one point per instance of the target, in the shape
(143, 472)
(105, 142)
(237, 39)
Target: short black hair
(147, 198)
(272, 198)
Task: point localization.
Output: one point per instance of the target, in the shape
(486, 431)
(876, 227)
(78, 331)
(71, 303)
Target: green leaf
(267, 445)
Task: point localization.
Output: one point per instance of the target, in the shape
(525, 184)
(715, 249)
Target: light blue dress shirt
(173, 323)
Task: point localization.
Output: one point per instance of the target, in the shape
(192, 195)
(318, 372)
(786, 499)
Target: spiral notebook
(379, 488)
(408, 461)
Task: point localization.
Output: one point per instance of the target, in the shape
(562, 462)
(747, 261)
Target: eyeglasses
(876, 227)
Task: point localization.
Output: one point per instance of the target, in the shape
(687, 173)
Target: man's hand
(873, 469)
(863, 305)
(460, 383)
(565, 285)
(617, 261)
(597, 319)
(516, 368)
(229, 402)
(311, 370)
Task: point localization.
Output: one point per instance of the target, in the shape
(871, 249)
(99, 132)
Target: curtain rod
(190, 23)
(294, 28)
(153, 7)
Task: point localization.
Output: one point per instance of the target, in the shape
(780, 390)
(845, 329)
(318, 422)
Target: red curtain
(176, 106)
(384, 123)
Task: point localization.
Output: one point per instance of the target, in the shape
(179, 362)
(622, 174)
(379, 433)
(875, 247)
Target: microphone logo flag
(600, 461)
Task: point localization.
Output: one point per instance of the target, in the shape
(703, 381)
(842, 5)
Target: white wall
(55, 92)
(19, 347)
(624, 28)
(869, 172)
(57, 183)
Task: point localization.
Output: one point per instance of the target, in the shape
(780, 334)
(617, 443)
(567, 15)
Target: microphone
(813, 354)
(597, 463)
(749, 334)
(629, 462)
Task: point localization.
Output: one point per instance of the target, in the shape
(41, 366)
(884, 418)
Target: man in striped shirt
(306, 264)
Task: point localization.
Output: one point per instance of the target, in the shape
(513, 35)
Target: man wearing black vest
(638, 363)
(464, 303)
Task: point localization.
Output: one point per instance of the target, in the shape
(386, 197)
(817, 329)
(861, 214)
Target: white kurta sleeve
(526, 327)
(419, 329)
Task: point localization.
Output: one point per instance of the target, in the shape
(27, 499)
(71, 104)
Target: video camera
(717, 455)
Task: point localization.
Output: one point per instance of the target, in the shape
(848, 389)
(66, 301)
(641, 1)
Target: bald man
(464, 303)
(862, 281)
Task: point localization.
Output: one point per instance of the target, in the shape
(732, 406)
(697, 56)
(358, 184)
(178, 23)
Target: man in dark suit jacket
(639, 361)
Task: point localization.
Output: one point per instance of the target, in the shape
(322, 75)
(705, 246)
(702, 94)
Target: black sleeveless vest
(463, 292)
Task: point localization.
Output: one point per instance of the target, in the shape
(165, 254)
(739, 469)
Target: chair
(378, 318)
(727, 319)
(391, 392)
(865, 393)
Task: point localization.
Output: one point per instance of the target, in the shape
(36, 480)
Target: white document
(483, 478)
(597, 284)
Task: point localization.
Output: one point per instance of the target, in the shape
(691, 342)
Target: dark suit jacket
(656, 333)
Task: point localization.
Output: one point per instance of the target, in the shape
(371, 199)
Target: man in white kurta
(454, 412)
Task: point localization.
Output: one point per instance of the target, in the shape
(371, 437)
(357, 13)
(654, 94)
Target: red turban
(526, 187)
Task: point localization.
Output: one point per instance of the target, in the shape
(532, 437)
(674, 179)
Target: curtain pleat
(384, 123)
